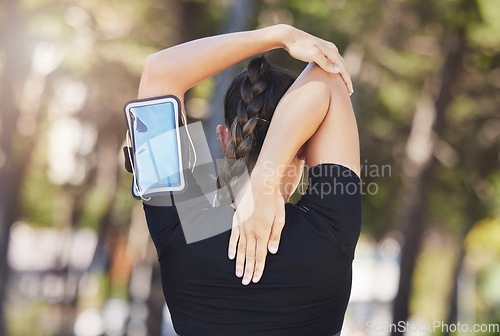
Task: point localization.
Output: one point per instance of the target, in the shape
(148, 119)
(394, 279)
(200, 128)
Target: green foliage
(487, 33)
(495, 194)
(24, 319)
(95, 206)
(485, 236)
(38, 194)
(433, 274)
(398, 96)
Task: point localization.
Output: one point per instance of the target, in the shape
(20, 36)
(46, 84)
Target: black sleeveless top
(305, 287)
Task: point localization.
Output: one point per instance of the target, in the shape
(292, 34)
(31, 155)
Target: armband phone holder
(157, 148)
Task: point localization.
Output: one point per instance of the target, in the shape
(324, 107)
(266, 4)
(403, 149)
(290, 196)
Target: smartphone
(153, 124)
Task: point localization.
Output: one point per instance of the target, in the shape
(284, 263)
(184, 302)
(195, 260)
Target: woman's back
(306, 286)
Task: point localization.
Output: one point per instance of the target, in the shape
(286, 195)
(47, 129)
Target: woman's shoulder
(334, 193)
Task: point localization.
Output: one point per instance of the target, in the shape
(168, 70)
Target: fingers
(250, 257)
(240, 255)
(344, 72)
(333, 62)
(249, 240)
(279, 223)
(250, 260)
(233, 241)
(323, 61)
(260, 259)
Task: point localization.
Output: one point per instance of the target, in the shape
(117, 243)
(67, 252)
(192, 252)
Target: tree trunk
(11, 167)
(238, 19)
(428, 125)
(453, 306)
(471, 221)
(155, 302)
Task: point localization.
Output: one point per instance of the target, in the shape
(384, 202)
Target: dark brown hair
(249, 106)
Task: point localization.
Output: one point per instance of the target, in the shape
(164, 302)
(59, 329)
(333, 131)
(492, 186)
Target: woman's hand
(257, 225)
(308, 48)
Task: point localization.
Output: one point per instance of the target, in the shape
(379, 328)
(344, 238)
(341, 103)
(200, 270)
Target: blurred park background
(75, 253)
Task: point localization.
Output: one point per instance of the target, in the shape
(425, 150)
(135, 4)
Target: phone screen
(156, 146)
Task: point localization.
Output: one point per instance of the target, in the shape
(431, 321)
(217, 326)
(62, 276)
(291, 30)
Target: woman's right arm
(316, 113)
(177, 69)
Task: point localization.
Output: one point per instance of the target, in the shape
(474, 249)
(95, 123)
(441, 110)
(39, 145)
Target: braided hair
(249, 106)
